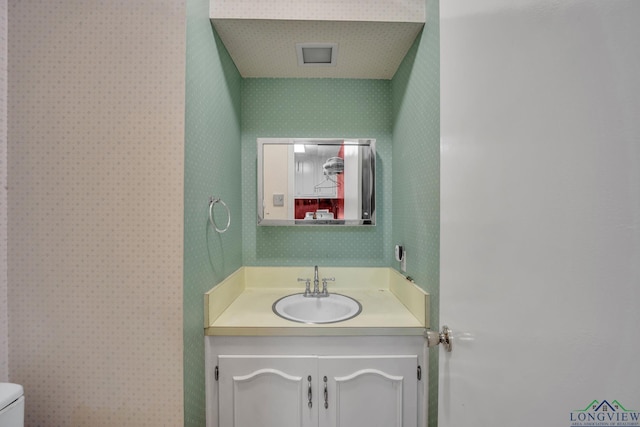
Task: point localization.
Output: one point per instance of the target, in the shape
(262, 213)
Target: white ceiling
(366, 49)
(320, 10)
(373, 36)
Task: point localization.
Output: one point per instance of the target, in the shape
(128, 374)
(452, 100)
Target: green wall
(212, 168)
(317, 108)
(416, 171)
(224, 116)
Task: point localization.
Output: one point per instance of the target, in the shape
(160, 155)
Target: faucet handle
(307, 286)
(325, 291)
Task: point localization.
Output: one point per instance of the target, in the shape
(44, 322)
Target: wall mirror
(316, 181)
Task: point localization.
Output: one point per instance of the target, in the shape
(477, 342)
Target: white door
(267, 391)
(374, 391)
(540, 212)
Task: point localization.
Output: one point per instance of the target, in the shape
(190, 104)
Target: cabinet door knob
(326, 393)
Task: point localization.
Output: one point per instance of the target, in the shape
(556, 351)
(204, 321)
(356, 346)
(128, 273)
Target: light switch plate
(278, 200)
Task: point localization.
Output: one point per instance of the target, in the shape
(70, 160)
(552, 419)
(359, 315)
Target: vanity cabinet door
(267, 391)
(372, 391)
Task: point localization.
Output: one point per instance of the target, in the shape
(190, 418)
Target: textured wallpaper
(4, 317)
(416, 171)
(212, 168)
(316, 108)
(96, 147)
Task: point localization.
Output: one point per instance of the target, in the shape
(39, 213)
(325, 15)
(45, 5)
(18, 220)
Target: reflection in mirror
(316, 181)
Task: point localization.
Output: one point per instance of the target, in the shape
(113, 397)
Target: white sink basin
(331, 309)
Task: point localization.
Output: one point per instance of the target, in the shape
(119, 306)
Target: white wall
(540, 237)
(276, 180)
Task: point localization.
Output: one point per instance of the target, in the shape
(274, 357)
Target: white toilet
(11, 405)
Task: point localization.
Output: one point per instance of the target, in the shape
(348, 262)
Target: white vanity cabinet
(376, 391)
(315, 381)
(267, 391)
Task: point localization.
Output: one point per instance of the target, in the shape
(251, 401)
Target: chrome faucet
(316, 282)
(316, 285)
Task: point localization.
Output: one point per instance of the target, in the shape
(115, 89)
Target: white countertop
(242, 303)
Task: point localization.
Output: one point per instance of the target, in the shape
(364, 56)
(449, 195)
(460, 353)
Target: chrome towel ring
(212, 202)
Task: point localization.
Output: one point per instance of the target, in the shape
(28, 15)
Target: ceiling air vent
(317, 54)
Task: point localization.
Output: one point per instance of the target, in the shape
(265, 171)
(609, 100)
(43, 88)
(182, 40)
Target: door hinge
(216, 374)
(419, 373)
